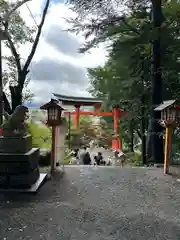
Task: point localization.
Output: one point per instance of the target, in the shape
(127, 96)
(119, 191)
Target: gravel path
(96, 203)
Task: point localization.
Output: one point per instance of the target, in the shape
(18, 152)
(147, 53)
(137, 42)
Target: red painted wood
(115, 115)
(82, 103)
(77, 115)
(117, 144)
(97, 107)
(92, 113)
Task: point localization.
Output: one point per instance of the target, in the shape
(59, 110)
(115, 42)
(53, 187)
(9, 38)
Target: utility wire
(31, 15)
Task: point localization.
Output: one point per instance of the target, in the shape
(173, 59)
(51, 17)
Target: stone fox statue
(15, 123)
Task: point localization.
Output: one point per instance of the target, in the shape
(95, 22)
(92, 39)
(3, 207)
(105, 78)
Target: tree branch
(36, 41)
(139, 134)
(5, 21)
(7, 107)
(98, 28)
(13, 50)
(131, 27)
(18, 4)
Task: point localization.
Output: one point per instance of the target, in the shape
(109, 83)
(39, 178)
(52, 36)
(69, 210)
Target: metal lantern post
(54, 111)
(169, 117)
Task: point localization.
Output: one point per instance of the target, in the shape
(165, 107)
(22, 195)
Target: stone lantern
(54, 111)
(169, 119)
(169, 112)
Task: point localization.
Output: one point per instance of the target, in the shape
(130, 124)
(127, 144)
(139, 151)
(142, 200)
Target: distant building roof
(71, 100)
(164, 105)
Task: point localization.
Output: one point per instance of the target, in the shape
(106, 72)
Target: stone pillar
(60, 147)
(18, 162)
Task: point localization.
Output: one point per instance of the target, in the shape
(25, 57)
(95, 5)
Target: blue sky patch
(51, 2)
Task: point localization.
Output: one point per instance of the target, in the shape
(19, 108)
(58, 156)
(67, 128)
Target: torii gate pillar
(76, 117)
(116, 141)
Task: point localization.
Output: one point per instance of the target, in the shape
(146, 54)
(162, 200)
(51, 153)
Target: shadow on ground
(96, 203)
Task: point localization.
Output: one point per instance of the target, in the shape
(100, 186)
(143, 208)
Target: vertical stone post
(53, 148)
(60, 147)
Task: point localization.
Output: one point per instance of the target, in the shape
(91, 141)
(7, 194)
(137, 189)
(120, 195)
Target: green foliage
(68, 157)
(89, 130)
(125, 78)
(17, 34)
(137, 158)
(41, 135)
(76, 141)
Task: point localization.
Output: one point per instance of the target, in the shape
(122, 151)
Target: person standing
(97, 161)
(86, 158)
(81, 155)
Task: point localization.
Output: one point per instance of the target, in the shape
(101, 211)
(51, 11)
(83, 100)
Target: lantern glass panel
(172, 114)
(53, 114)
(164, 114)
(49, 114)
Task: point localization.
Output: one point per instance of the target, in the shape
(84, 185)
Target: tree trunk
(157, 84)
(16, 97)
(149, 142)
(143, 128)
(131, 137)
(16, 91)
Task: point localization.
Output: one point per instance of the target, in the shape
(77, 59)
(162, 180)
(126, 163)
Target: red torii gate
(77, 102)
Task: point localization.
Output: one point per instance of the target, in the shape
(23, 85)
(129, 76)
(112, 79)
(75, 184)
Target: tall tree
(17, 33)
(134, 83)
(95, 18)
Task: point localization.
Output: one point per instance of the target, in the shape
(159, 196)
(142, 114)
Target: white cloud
(58, 48)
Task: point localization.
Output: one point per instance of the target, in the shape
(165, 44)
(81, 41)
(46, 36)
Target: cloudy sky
(57, 66)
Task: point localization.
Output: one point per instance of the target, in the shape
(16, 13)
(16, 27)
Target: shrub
(66, 161)
(41, 135)
(134, 158)
(68, 157)
(137, 158)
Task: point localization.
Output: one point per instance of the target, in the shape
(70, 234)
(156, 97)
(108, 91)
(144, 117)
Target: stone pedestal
(18, 162)
(15, 144)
